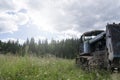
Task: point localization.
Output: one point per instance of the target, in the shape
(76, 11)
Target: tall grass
(51, 68)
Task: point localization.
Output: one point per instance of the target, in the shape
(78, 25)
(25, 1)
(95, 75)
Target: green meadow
(47, 68)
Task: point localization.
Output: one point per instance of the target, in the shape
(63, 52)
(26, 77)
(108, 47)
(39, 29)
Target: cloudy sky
(54, 19)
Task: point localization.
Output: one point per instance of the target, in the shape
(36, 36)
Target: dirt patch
(115, 76)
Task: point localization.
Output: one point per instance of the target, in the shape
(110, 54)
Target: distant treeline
(64, 49)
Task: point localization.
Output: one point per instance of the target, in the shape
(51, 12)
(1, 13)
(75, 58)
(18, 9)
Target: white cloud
(6, 5)
(21, 41)
(62, 15)
(50, 15)
(69, 18)
(7, 27)
(10, 21)
(21, 18)
(10, 17)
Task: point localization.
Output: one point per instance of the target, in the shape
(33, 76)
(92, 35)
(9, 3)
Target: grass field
(34, 68)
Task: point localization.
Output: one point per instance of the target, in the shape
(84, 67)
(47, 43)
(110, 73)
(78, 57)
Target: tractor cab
(92, 41)
(90, 35)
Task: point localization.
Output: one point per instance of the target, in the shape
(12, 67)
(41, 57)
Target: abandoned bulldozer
(100, 49)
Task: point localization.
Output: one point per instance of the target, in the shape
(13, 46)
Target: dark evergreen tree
(64, 49)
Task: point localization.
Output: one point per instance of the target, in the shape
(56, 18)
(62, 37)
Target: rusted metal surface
(114, 34)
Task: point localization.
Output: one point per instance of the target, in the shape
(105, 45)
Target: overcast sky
(54, 19)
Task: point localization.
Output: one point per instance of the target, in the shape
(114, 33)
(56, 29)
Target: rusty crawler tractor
(100, 49)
